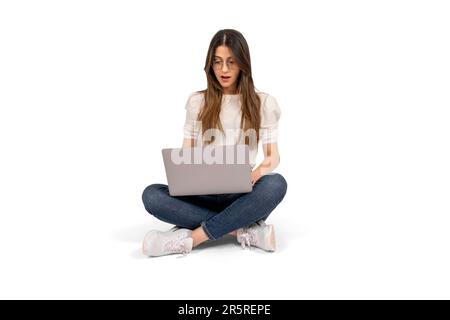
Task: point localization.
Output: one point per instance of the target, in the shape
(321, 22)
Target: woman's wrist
(256, 174)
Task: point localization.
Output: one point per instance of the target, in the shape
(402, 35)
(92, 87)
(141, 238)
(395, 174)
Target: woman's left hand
(255, 176)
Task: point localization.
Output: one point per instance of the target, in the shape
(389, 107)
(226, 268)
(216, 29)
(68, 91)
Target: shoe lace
(246, 238)
(177, 246)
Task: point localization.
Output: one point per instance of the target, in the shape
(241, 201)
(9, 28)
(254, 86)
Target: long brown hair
(250, 101)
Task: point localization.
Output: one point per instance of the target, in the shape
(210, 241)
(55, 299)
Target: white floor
(322, 254)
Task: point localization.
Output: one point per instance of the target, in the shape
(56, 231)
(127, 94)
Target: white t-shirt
(230, 117)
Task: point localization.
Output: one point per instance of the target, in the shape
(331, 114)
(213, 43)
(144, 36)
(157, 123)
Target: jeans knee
(151, 196)
(279, 185)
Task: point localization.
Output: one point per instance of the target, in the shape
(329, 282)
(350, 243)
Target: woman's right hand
(188, 143)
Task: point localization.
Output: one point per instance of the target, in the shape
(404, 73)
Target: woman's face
(226, 69)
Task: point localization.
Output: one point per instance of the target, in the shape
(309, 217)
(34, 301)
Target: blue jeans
(218, 214)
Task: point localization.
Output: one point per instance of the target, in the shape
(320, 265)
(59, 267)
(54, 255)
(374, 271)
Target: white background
(90, 91)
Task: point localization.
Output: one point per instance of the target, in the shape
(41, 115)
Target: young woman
(229, 104)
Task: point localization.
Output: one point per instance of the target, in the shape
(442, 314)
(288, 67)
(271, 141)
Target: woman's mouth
(225, 78)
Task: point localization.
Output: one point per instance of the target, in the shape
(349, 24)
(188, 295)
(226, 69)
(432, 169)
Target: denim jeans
(218, 214)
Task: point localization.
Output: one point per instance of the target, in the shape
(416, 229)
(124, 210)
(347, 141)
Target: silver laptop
(208, 170)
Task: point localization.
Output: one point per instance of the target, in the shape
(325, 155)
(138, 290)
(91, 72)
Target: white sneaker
(158, 243)
(259, 234)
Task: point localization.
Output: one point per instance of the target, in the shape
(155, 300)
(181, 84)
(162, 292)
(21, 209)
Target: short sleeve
(191, 124)
(270, 114)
